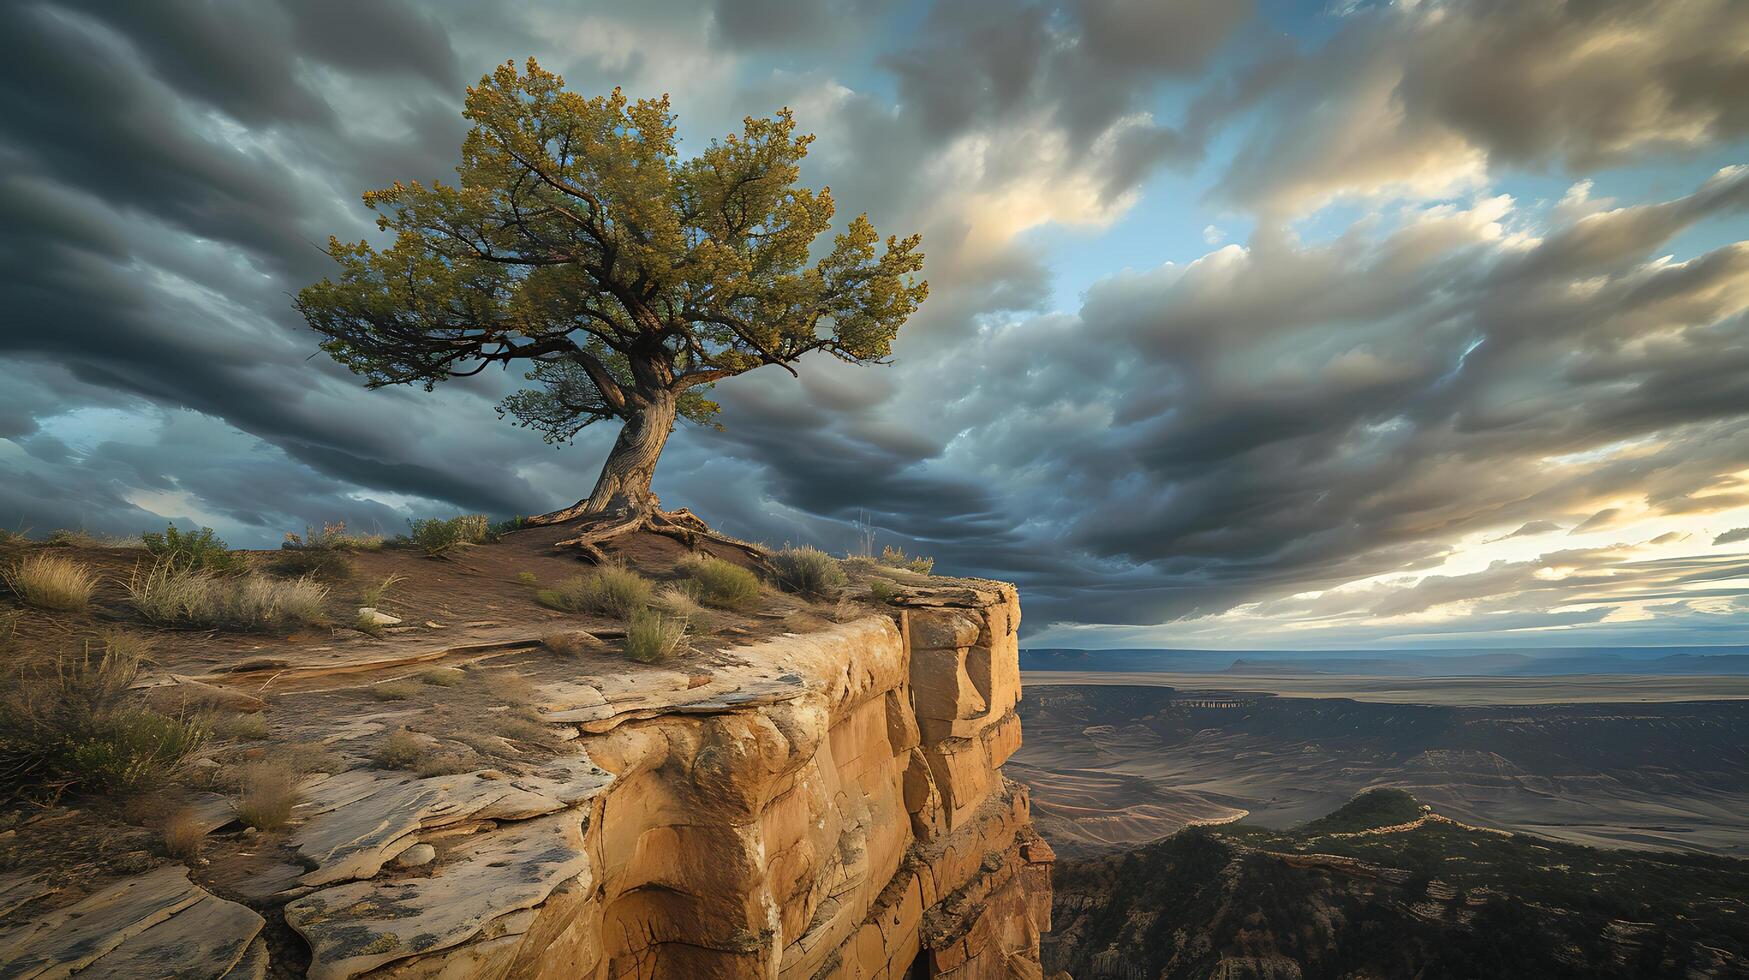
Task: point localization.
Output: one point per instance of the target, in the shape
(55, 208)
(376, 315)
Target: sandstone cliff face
(827, 805)
(835, 807)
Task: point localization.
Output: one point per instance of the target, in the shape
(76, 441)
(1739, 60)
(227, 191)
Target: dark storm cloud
(1422, 96)
(1227, 434)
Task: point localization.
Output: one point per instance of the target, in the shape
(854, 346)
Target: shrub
(70, 722)
(438, 536)
(809, 572)
(881, 590)
(182, 834)
(268, 795)
(527, 578)
(333, 537)
(611, 590)
(652, 637)
(681, 600)
(326, 564)
(443, 676)
(200, 551)
(170, 595)
(896, 557)
(402, 750)
(50, 582)
(502, 528)
(393, 691)
(721, 583)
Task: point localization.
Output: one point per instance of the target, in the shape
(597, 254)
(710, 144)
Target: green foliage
(896, 557)
(72, 722)
(580, 241)
(333, 537)
(721, 583)
(527, 578)
(611, 590)
(199, 551)
(50, 582)
(169, 594)
(809, 572)
(502, 528)
(437, 536)
(373, 594)
(393, 691)
(882, 590)
(652, 637)
(1371, 809)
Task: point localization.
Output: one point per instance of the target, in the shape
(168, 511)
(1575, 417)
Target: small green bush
(171, 595)
(809, 572)
(437, 536)
(897, 558)
(652, 637)
(721, 583)
(72, 722)
(195, 551)
(881, 590)
(50, 582)
(611, 590)
(527, 578)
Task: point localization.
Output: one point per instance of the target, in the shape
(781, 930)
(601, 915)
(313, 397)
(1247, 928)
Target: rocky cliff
(817, 804)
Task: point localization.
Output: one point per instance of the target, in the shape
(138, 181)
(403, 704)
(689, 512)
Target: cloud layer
(1443, 410)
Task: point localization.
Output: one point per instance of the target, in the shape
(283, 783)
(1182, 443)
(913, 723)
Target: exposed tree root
(682, 525)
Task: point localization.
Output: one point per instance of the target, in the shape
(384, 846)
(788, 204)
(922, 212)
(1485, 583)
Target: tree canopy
(578, 239)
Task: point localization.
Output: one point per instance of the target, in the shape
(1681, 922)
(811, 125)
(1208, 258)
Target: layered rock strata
(828, 805)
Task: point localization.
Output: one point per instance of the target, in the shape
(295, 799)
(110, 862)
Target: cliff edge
(808, 799)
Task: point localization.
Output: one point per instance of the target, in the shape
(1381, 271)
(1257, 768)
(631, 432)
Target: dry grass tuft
(809, 572)
(437, 536)
(392, 691)
(242, 728)
(443, 676)
(721, 583)
(403, 750)
(182, 834)
(170, 595)
(652, 637)
(269, 792)
(372, 595)
(50, 582)
(527, 578)
(681, 601)
(611, 590)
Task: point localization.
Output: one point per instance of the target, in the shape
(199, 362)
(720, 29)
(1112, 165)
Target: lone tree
(629, 280)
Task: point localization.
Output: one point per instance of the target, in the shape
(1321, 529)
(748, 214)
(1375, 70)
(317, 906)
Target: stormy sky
(1250, 325)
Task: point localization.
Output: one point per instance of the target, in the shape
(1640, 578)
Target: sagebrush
(611, 590)
(809, 572)
(720, 583)
(437, 535)
(200, 550)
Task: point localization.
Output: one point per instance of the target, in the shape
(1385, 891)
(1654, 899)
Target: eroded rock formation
(824, 805)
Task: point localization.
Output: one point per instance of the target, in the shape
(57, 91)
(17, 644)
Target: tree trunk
(624, 484)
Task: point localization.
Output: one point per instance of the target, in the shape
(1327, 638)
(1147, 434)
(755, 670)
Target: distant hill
(1384, 887)
(1402, 663)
